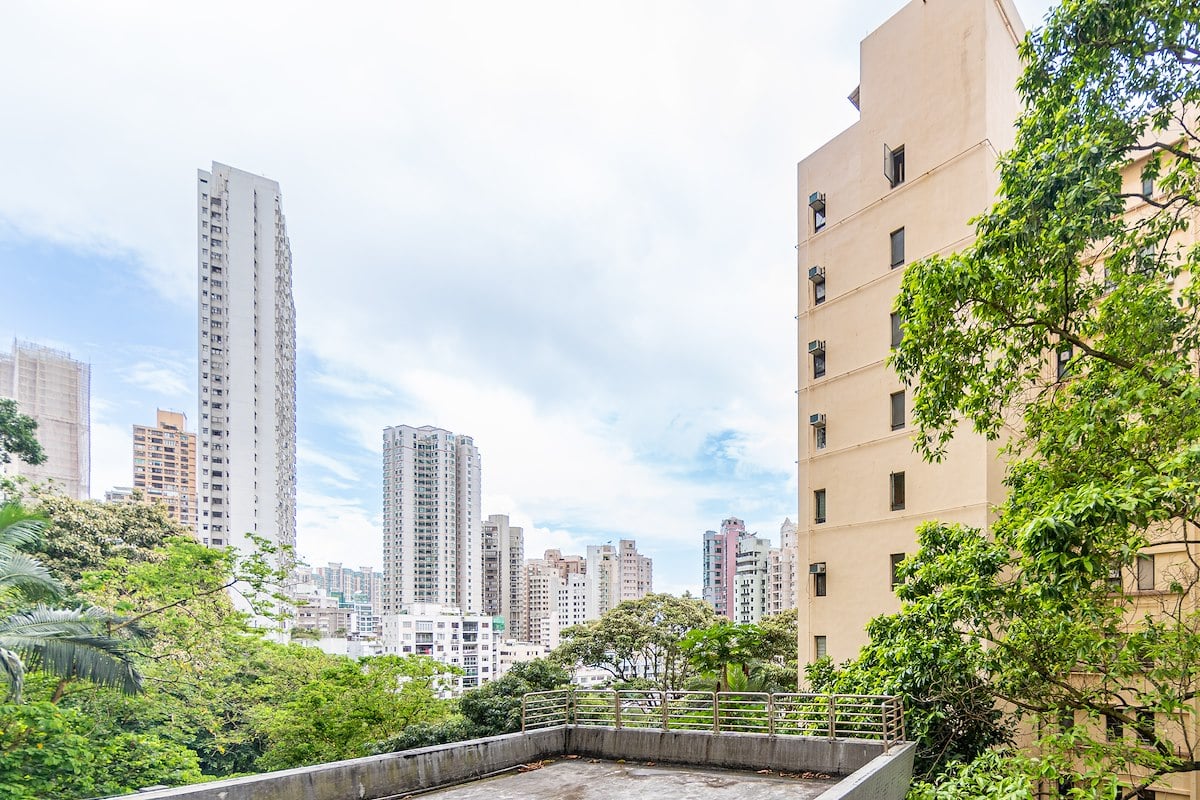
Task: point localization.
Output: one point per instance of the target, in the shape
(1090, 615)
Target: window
(1147, 186)
(897, 247)
(896, 559)
(816, 201)
(893, 165)
(1063, 361)
(820, 646)
(897, 490)
(820, 587)
(897, 331)
(819, 506)
(819, 364)
(1145, 573)
(1145, 726)
(1114, 729)
(818, 292)
(819, 435)
(897, 400)
(1114, 579)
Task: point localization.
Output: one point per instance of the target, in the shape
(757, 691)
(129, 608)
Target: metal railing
(833, 716)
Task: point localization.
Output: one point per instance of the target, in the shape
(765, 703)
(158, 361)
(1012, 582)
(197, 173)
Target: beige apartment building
(936, 105)
(164, 465)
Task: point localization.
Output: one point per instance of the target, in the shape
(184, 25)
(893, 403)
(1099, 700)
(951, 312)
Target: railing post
(716, 712)
(617, 707)
(666, 711)
(771, 714)
(572, 715)
(832, 715)
(524, 700)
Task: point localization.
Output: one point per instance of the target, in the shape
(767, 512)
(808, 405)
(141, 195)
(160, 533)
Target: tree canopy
(18, 435)
(639, 641)
(1070, 329)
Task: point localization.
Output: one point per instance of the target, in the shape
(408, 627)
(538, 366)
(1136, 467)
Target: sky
(563, 228)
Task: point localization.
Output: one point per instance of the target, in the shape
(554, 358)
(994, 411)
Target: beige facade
(55, 390)
(164, 465)
(937, 105)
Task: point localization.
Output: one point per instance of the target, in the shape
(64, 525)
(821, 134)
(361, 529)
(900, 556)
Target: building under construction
(55, 390)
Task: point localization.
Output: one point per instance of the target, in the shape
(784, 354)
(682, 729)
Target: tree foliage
(744, 657)
(1085, 261)
(639, 640)
(18, 435)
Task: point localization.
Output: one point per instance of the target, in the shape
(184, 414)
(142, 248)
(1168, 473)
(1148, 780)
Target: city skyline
(605, 306)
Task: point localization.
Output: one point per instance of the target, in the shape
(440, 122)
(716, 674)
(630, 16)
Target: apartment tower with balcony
(936, 105)
(164, 465)
(432, 529)
(247, 367)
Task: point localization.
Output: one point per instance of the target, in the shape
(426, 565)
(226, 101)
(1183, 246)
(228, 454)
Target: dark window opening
(896, 560)
(818, 365)
(897, 331)
(1063, 361)
(820, 587)
(897, 399)
(819, 506)
(893, 165)
(897, 490)
(1145, 573)
(897, 237)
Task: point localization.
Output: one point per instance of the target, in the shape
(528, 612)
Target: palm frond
(19, 527)
(30, 576)
(14, 672)
(70, 643)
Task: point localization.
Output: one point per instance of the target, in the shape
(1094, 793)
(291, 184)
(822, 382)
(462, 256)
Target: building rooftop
(593, 779)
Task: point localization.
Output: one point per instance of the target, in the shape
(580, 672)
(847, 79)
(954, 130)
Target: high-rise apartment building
(781, 571)
(247, 366)
(751, 576)
(503, 553)
(561, 591)
(936, 105)
(55, 390)
(720, 565)
(164, 465)
(432, 528)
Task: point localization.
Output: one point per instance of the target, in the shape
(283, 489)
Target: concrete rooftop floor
(587, 779)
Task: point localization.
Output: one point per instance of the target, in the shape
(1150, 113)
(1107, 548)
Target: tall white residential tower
(432, 528)
(247, 380)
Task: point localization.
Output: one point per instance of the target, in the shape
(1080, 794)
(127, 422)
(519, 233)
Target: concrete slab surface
(587, 779)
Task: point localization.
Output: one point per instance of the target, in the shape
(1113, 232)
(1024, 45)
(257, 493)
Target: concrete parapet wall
(886, 777)
(724, 750)
(385, 776)
(873, 776)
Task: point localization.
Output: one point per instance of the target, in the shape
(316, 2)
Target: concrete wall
(725, 750)
(384, 776)
(874, 777)
(886, 777)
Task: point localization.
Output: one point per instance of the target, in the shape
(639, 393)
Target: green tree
(66, 642)
(81, 535)
(346, 705)
(495, 707)
(1079, 266)
(639, 640)
(18, 435)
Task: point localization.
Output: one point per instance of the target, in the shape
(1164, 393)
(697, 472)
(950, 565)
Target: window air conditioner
(817, 420)
(816, 347)
(816, 201)
(817, 568)
(816, 274)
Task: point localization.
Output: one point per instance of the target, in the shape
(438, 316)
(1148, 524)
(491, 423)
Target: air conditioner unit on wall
(816, 347)
(816, 274)
(817, 420)
(816, 201)
(817, 568)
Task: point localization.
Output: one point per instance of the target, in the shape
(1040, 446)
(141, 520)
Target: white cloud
(112, 457)
(565, 229)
